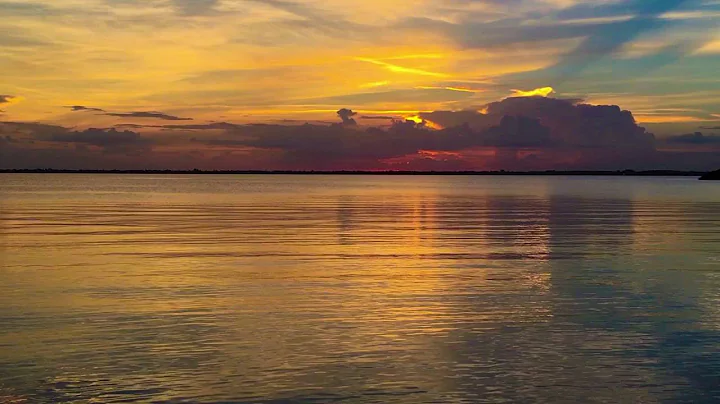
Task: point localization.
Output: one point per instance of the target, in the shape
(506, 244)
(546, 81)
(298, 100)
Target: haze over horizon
(330, 85)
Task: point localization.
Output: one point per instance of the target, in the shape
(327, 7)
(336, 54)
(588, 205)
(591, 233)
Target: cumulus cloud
(577, 124)
(539, 124)
(347, 116)
(514, 133)
(519, 131)
(474, 119)
(148, 114)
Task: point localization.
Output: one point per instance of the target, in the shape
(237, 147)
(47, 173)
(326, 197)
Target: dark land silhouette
(711, 176)
(646, 173)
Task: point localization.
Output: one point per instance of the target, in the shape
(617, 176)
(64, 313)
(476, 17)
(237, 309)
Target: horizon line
(625, 172)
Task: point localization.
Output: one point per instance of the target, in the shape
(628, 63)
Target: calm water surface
(302, 289)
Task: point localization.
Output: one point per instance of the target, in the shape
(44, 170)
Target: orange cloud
(542, 92)
(460, 89)
(400, 69)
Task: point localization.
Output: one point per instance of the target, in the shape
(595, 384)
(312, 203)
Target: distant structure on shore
(711, 176)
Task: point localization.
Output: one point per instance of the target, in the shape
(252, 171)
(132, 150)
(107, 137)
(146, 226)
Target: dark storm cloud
(520, 132)
(577, 124)
(473, 119)
(148, 114)
(347, 116)
(696, 138)
(513, 124)
(84, 108)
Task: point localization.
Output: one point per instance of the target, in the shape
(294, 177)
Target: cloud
(516, 133)
(8, 139)
(107, 138)
(541, 126)
(379, 117)
(597, 29)
(205, 126)
(30, 129)
(696, 138)
(83, 108)
(346, 116)
(6, 100)
(574, 123)
(195, 7)
(609, 38)
(400, 69)
(519, 131)
(541, 92)
(473, 119)
(148, 114)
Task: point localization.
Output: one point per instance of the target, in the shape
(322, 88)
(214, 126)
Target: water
(300, 289)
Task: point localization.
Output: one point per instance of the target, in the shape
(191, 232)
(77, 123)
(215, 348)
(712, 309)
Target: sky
(371, 85)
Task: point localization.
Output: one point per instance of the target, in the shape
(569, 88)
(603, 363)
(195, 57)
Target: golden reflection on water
(363, 289)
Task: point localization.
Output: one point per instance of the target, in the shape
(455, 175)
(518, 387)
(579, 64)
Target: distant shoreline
(631, 173)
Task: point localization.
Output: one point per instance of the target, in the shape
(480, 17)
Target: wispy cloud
(84, 108)
(147, 114)
(450, 88)
(400, 69)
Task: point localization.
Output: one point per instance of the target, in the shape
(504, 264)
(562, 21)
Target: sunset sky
(427, 84)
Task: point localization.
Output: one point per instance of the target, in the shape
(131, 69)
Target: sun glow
(424, 122)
